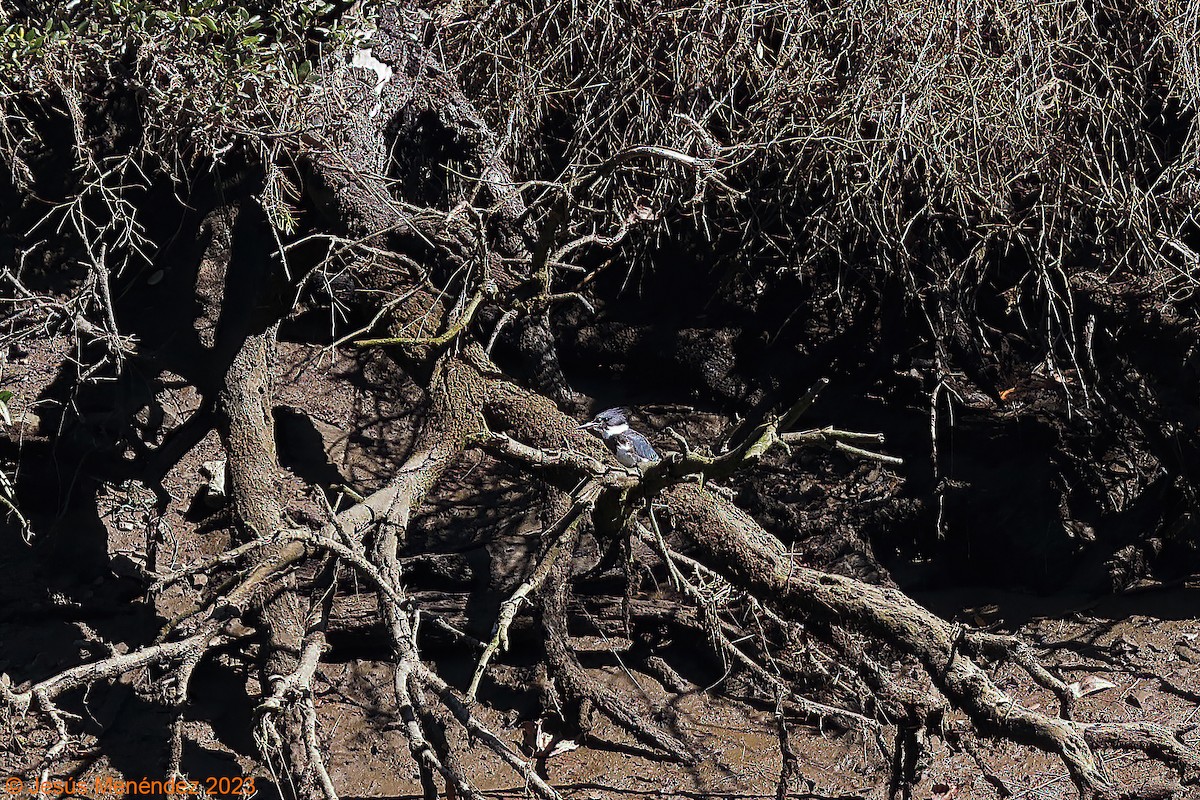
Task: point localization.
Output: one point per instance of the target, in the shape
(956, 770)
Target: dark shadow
(1011, 610)
(302, 450)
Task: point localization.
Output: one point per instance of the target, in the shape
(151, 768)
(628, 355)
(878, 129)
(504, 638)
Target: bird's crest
(614, 416)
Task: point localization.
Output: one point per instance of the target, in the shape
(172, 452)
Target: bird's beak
(587, 426)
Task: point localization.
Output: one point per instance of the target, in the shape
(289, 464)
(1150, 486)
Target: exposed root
(713, 627)
(360, 147)
(580, 691)
(728, 541)
(561, 545)
(1009, 648)
(790, 775)
(461, 712)
(750, 556)
(182, 677)
(1144, 737)
(216, 623)
(186, 652)
(291, 694)
(207, 565)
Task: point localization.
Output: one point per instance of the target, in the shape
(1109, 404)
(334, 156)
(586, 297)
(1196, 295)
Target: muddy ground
(74, 594)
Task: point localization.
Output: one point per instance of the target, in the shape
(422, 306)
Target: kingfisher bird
(630, 447)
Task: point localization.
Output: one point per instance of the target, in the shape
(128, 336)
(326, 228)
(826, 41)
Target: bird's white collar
(614, 430)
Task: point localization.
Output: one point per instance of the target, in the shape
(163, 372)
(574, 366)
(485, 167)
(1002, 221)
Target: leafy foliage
(208, 73)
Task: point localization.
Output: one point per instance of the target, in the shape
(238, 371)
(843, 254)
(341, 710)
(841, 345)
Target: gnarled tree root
(729, 541)
(581, 692)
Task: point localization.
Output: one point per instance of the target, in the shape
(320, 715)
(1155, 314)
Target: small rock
(199, 580)
(1079, 530)
(1090, 684)
(1137, 698)
(214, 491)
(1187, 653)
(1125, 645)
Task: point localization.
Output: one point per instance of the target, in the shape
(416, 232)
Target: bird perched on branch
(630, 447)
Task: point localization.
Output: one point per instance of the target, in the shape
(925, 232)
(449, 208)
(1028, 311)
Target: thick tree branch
(728, 540)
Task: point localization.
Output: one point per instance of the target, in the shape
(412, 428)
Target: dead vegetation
(490, 176)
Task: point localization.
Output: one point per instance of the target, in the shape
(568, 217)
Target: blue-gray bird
(630, 447)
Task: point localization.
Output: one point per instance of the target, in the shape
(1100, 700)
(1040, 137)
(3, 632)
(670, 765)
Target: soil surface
(69, 597)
